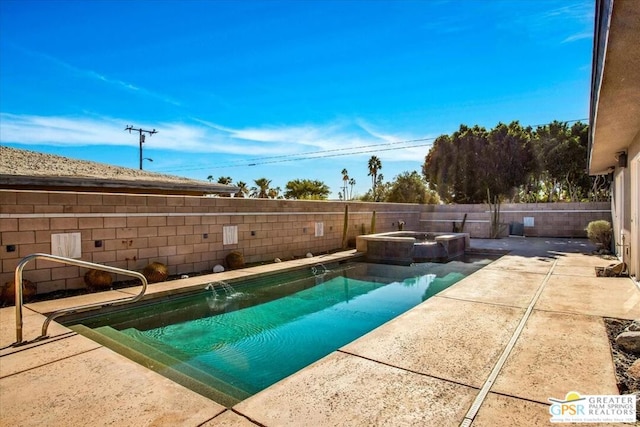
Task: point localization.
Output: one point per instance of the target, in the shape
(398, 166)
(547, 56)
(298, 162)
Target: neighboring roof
(29, 170)
(615, 82)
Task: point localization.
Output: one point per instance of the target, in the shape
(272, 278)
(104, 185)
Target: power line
(335, 152)
(372, 150)
(344, 149)
(313, 155)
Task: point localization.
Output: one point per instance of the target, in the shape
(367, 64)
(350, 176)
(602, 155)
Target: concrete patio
(488, 351)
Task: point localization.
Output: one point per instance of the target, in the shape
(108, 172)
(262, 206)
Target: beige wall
(183, 232)
(186, 232)
(549, 219)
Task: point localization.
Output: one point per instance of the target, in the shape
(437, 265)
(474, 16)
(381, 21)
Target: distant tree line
(514, 163)
(295, 189)
(472, 165)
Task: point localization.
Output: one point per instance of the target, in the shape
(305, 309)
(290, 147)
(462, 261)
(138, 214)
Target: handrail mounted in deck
(80, 308)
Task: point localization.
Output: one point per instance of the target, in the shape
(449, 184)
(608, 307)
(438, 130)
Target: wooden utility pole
(142, 137)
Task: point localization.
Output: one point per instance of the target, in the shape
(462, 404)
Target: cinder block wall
(549, 219)
(184, 232)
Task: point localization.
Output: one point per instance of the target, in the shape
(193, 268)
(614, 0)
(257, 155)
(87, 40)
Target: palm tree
(306, 189)
(345, 180)
(352, 183)
(374, 165)
(262, 190)
(226, 180)
(274, 193)
(210, 178)
(244, 190)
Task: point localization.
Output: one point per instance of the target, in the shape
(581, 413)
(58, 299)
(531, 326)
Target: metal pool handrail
(80, 308)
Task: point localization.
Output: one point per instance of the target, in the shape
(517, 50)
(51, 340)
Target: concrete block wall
(549, 219)
(184, 232)
(440, 218)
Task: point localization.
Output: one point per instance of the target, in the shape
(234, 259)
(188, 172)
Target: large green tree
(452, 165)
(507, 159)
(464, 166)
(410, 187)
(512, 162)
(562, 160)
(306, 189)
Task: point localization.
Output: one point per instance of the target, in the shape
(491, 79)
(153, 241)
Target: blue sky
(295, 89)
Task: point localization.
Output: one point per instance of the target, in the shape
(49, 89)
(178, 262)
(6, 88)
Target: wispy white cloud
(568, 23)
(94, 75)
(578, 36)
(356, 137)
(320, 137)
(395, 140)
(580, 10)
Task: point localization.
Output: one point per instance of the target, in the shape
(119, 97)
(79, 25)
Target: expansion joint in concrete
(484, 391)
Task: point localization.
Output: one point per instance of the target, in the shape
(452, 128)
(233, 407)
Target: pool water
(234, 342)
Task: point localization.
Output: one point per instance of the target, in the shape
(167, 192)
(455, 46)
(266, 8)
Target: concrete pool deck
(490, 350)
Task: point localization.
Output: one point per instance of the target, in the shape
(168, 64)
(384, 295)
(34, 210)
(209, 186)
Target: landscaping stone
(634, 326)
(234, 260)
(98, 279)
(629, 341)
(156, 272)
(8, 291)
(634, 370)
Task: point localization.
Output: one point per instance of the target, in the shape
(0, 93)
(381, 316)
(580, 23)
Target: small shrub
(600, 233)
(98, 279)
(156, 272)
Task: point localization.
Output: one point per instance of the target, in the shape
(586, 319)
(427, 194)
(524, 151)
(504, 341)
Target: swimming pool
(229, 343)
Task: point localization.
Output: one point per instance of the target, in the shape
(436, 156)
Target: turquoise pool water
(239, 341)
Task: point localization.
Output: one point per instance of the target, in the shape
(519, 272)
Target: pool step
(164, 364)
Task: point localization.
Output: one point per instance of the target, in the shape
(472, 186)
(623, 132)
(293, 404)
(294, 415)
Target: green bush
(600, 233)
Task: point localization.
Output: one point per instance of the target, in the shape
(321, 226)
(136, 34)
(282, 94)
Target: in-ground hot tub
(406, 247)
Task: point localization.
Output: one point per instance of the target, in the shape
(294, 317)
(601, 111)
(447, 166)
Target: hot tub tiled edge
(406, 247)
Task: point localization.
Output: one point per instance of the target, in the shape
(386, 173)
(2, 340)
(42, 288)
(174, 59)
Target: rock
(277, 260)
(634, 370)
(218, 268)
(309, 255)
(234, 260)
(156, 272)
(8, 291)
(98, 279)
(184, 276)
(635, 326)
(629, 341)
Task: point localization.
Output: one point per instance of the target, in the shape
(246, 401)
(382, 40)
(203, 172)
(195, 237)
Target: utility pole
(142, 137)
